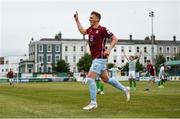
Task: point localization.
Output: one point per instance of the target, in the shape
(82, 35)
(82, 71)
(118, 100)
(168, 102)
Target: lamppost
(151, 15)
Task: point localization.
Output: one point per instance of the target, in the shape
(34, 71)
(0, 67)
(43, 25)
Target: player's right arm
(80, 28)
(125, 56)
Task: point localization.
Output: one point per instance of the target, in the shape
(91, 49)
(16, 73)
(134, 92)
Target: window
(49, 48)
(74, 58)
(122, 49)
(82, 48)
(145, 49)
(74, 48)
(40, 48)
(122, 59)
(167, 58)
(137, 49)
(40, 69)
(114, 49)
(49, 69)
(66, 58)
(57, 48)
(160, 49)
(49, 59)
(145, 59)
(167, 50)
(6, 70)
(115, 59)
(57, 58)
(40, 58)
(130, 49)
(74, 69)
(66, 48)
(6, 62)
(175, 50)
(29, 70)
(2, 70)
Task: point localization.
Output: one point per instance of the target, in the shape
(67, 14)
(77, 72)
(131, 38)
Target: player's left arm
(138, 57)
(112, 44)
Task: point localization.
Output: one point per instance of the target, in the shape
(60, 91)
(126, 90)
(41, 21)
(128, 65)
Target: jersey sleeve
(107, 33)
(87, 30)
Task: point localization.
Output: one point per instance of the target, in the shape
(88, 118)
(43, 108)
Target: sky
(20, 20)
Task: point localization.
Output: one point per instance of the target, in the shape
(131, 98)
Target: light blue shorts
(98, 65)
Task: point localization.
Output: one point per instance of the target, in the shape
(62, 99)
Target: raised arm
(139, 56)
(125, 56)
(80, 28)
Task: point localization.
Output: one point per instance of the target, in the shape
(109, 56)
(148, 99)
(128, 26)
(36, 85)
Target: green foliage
(125, 67)
(61, 66)
(85, 62)
(160, 59)
(139, 66)
(110, 65)
(177, 56)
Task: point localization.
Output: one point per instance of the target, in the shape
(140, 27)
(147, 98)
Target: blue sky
(23, 19)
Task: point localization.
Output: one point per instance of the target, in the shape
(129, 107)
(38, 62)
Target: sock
(92, 89)
(163, 82)
(159, 83)
(134, 83)
(98, 84)
(114, 82)
(101, 87)
(130, 83)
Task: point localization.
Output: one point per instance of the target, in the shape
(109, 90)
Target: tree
(160, 59)
(110, 65)
(61, 66)
(85, 62)
(177, 56)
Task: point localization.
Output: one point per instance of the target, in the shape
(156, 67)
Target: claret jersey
(97, 40)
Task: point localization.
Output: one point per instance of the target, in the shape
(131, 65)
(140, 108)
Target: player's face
(93, 19)
(131, 58)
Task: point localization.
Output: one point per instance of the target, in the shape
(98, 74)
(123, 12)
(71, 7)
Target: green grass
(66, 99)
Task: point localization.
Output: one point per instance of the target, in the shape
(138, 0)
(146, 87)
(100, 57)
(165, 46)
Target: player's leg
(134, 80)
(115, 83)
(130, 80)
(95, 70)
(134, 84)
(98, 86)
(10, 81)
(101, 88)
(13, 81)
(92, 90)
(130, 83)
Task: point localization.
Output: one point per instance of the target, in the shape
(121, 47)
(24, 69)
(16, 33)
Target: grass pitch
(66, 100)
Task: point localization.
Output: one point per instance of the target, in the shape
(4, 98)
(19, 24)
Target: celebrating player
(132, 70)
(97, 39)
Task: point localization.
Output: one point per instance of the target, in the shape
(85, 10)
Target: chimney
(59, 35)
(174, 38)
(130, 37)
